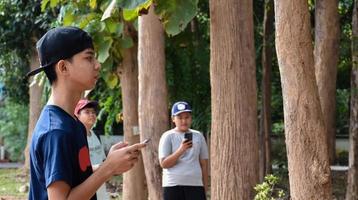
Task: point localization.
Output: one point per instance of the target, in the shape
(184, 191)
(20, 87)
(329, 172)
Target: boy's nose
(97, 65)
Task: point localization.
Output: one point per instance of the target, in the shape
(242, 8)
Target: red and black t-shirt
(58, 152)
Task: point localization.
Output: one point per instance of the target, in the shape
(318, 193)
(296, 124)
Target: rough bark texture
(35, 106)
(234, 138)
(308, 162)
(134, 183)
(326, 53)
(153, 104)
(265, 116)
(352, 187)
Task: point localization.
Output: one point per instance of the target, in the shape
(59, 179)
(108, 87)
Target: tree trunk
(234, 141)
(326, 53)
(35, 107)
(134, 183)
(308, 161)
(352, 187)
(265, 119)
(153, 103)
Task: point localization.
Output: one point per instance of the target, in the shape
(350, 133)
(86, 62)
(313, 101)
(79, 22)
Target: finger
(136, 146)
(119, 145)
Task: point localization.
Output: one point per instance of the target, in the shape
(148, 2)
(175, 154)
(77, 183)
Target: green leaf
(130, 4)
(130, 15)
(126, 42)
(176, 14)
(93, 4)
(108, 64)
(103, 49)
(53, 3)
(44, 4)
(114, 27)
(111, 80)
(85, 20)
(68, 18)
(109, 10)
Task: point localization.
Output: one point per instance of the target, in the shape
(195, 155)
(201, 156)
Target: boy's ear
(61, 67)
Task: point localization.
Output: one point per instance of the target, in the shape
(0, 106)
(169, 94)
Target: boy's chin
(183, 129)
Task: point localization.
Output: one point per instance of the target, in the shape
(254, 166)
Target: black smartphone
(188, 136)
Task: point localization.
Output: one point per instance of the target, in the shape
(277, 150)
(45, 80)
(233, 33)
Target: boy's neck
(65, 99)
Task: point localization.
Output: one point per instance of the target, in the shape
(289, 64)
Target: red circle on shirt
(83, 157)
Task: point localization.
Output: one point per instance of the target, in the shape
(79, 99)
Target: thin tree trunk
(265, 119)
(153, 94)
(352, 187)
(326, 53)
(35, 107)
(134, 183)
(234, 141)
(308, 161)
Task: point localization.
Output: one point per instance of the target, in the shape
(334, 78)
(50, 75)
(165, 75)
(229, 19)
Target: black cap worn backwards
(59, 44)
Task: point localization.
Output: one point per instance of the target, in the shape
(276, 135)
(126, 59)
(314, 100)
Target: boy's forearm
(89, 187)
(171, 160)
(205, 174)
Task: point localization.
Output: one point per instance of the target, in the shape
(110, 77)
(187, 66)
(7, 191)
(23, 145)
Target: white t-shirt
(97, 156)
(187, 170)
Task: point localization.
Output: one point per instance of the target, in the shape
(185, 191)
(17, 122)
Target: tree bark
(134, 183)
(352, 187)
(265, 119)
(35, 106)
(308, 162)
(326, 53)
(234, 138)
(153, 94)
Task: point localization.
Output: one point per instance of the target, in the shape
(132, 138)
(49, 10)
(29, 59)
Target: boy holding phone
(59, 157)
(183, 155)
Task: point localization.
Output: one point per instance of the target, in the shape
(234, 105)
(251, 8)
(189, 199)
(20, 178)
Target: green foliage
(187, 69)
(176, 14)
(13, 128)
(12, 72)
(110, 103)
(20, 23)
(278, 129)
(130, 4)
(342, 158)
(267, 190)
(11, 180)
(132, 14)
(342, 114)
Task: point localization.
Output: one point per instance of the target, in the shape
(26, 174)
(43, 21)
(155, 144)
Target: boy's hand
(185, 144)
(122, 157)
(119, 145)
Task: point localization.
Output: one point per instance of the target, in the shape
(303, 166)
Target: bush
(268, 190)
(13, 128)
(342, 158)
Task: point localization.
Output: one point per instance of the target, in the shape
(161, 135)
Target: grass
(10, 182)
(12, 179)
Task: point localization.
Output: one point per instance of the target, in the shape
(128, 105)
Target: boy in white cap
(59, 157)
(183, 155)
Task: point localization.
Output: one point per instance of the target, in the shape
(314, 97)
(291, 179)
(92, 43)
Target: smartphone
(146, 141)
(188, 136)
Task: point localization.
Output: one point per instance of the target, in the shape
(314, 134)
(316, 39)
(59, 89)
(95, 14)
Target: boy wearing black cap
(183, 155)
(59, 158)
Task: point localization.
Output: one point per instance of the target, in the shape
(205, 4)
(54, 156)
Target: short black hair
(51, 73)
